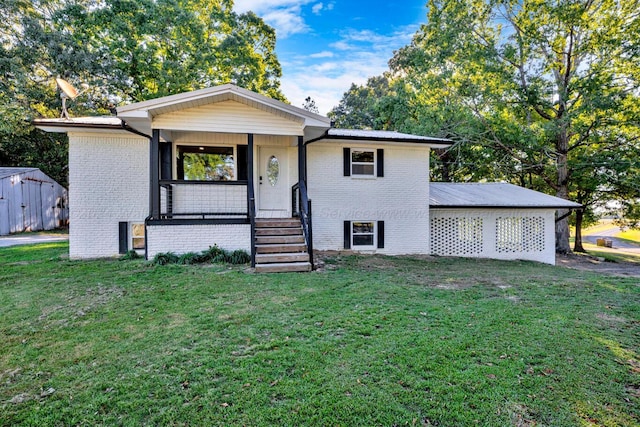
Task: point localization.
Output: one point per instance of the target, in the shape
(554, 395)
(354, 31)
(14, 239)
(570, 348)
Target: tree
(310, 105)
(548, 81)
(360, 107)
(126, 51)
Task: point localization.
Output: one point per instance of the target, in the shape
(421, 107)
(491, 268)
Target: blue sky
(325, 45)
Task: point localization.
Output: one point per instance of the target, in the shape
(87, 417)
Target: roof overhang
(78, 124)
(381, 136)
(494, 195)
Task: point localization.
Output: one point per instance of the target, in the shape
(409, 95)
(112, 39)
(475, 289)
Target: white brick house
(230, 167)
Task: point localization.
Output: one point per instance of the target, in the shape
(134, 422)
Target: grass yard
(369, 341)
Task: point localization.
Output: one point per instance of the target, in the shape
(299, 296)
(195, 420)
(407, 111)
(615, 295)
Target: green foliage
(373, 341)
(239, 256)
(164, 258)
(189, 258)
(542, 94)
(214, 255)
(212, 252)
(126, 51)
(130, 255)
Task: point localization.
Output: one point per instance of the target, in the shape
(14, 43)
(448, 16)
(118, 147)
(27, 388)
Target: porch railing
(203, 199)
(301, 207)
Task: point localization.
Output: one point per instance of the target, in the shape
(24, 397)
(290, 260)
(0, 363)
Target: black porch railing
(301, 207)
(203, 199)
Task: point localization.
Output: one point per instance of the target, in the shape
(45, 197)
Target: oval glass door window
(273, 170)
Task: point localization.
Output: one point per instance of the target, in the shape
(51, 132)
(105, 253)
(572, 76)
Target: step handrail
(303, 209)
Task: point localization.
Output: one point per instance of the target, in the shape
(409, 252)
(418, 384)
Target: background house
(30, 201)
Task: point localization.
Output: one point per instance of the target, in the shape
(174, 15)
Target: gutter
(366, 138)
(128, 128)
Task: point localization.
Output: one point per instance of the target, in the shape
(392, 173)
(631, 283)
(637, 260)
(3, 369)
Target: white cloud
(323, 54)
(341, 45)
(326, 76)
(317, 8)
(283, 15)
(286, 22)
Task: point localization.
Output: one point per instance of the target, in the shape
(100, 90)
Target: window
(363, 162)
(198, 163)
(137, 236)
(364, 234)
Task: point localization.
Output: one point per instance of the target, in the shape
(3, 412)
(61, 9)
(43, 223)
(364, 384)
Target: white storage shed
(30, 201)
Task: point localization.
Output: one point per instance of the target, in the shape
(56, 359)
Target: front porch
(219, 159)
(221, 204)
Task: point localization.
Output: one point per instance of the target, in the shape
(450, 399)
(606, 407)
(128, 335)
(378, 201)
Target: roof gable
(232, 117)
(229, 92)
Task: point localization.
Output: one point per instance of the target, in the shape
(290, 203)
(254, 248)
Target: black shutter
(347, 234)
(346, 154)
(242, 162)
(123, 237)
(380, 234)
(380, 156)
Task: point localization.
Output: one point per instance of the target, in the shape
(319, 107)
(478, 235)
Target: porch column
(251, 198)
(250, 188)
(165, 160)
(302, 161)
(154, 175)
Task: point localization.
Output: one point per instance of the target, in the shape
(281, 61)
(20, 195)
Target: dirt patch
(599, 265)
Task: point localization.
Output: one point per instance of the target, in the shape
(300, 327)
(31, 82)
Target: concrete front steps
(280, 246)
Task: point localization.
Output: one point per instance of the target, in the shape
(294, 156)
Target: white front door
(273, 181)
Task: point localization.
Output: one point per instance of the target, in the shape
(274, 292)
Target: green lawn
(370, 341)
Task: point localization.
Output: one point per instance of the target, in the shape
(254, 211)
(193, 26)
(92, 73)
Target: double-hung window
(364, 235)
(363, 162)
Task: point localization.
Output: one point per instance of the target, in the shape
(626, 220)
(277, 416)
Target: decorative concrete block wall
(527, 234)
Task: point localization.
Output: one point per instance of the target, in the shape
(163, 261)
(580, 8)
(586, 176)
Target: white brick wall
(400, 198)
(108, 183)
(538, 246)
(195, 238)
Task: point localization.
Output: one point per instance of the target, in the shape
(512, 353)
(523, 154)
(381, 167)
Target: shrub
(239, 256)
(189, 258)
(214, 254)
(222, 257)
(131, 254)
(164, 258)
(208, 255)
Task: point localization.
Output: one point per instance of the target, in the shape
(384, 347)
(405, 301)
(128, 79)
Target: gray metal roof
(11, 171)
(383, 136)
(490, 195)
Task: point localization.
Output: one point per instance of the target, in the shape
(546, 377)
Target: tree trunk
(562, 227)
(577, 246)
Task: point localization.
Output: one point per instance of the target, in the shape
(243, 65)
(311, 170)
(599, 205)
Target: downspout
(128, 128)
